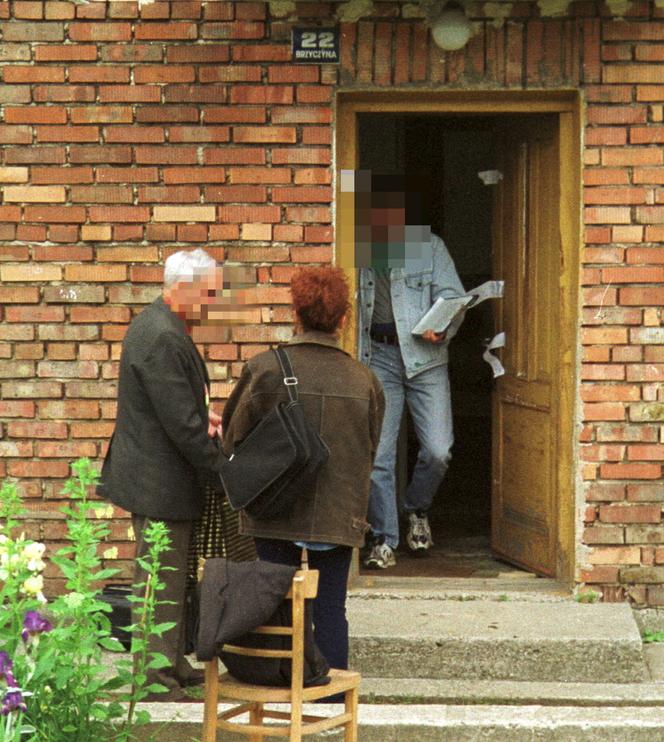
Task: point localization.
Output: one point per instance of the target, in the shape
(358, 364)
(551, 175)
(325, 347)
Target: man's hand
(214, 424)
(433, 337)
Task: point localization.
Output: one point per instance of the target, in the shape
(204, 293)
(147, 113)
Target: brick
(68, 332)
(233, 73)
(95, 273)
(146, 154)
(15, 134)
(133, 254)
(99, 74)
(246, 214)
(67, 133)
(256, 232)
(15, 53)
(36, 115)
(301, 156)
(614, 195)
(17, 332)
(68, 370)
(195, 175)
(302, 194)
(129, 94)
(631, 471)
(625, 156)
(28, 273)
(12, 94)
(16, 369)
(166, 31)
(63, 93)
(234, 156)
(168, 114)
(119, 214)
(133, 294)
(239, 30)
(603, 535)
(647, 335)
(615, 555)
(199, 134)
(66, 53)
(19, 295)
(132, 53)
(34, 194)
(163, 74)
(633, 275)
(45, 469)
(95, 232)
(169, 194)
(309, 214)
(642, 574)
(16, 409)
(202, 54)
(66, 449)
(266, 134)
(646, 452)
(34, 314)
(127, 175)
(101, 114)
(19, 74)
(29, 390)
(12, 31)
(100, 31)
(58, 175)
(262, 95)
(13, 174)
(60, 214)
(184, 213)
(79, 314)
(195, 94)
(236, 193)
(630, 513)
(642, 296)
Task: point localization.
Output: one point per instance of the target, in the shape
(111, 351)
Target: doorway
(485, 519)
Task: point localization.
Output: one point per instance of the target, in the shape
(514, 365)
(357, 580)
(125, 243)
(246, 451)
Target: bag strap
(290, 380)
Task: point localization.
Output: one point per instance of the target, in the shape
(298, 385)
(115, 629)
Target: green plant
(52, 678)
(651, 637)
(587, 596)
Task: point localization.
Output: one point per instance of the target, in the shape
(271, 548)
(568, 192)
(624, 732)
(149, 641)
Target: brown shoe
(195, 677)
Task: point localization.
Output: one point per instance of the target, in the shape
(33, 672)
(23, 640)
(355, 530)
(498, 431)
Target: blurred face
(190, 299)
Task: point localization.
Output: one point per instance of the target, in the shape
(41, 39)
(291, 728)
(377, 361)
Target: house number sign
(315, 45)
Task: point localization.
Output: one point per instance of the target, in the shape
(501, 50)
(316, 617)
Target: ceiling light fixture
(451, 29)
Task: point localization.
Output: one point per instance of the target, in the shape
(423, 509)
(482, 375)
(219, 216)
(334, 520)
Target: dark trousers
(172, 643)
(330, 624)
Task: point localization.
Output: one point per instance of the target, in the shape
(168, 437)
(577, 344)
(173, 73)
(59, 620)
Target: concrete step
(405, 636)
(453, 723)
(407, 691)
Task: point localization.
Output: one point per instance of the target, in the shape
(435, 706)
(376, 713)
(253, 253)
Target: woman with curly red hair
(343, 400)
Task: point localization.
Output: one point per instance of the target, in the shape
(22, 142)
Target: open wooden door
(527, 255)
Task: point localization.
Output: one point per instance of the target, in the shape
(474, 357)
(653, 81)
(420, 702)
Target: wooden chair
(305, 586)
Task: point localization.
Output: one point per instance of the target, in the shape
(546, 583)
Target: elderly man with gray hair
(164, 449)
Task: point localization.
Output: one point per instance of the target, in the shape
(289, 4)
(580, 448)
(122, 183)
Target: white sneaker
(381, 556)
(418, 537)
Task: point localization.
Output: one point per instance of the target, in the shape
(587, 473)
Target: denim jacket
(414, 289)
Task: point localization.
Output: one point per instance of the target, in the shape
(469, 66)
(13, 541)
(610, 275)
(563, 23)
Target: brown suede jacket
(344, 401)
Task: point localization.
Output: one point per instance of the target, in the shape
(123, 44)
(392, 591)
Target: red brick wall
(128, 133)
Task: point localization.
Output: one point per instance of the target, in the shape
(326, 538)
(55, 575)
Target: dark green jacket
(344, 401)
(160, 455)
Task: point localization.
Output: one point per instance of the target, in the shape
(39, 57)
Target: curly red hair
(320, 297)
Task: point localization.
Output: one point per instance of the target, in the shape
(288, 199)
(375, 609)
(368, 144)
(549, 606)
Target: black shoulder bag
(278, 460)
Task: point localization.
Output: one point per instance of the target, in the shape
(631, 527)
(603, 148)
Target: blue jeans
(330, 623)
(428, 397)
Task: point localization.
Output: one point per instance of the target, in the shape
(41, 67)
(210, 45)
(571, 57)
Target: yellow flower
(34, 585)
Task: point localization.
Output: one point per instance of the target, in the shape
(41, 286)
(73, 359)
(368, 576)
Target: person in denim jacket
(407, 269)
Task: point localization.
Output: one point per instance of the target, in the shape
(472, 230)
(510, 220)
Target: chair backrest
(304, 587)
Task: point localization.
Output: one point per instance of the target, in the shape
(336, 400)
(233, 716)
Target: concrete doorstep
(442, 723)
(455, 670)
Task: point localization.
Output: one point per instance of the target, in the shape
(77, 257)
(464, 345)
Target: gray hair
(186, 265)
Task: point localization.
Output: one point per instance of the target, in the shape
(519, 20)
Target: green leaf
(157, 662)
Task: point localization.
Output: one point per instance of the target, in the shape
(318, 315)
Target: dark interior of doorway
(442, 156)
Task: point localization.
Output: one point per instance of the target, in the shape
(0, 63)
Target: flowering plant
(54, 685)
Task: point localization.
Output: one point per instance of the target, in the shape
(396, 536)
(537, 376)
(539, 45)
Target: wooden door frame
(567, 105)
